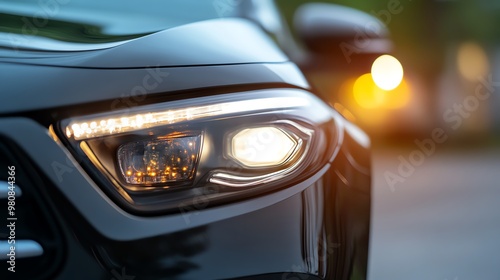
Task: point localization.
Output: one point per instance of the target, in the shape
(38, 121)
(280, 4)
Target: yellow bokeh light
(366, 93)
(387, 72)
(369, 96)
(472, 61)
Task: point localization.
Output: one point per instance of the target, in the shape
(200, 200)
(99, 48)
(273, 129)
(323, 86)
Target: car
(173, 140)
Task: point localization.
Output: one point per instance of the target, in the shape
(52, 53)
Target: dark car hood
(211, 42)
(221, 53)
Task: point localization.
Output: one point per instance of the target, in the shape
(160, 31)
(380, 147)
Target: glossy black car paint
(314, 229)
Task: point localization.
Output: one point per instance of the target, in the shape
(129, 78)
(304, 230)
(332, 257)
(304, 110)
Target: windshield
(92, 21)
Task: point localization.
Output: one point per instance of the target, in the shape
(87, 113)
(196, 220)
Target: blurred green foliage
(451, 19)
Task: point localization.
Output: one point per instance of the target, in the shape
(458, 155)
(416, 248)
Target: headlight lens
(263, 146)
(165, 156)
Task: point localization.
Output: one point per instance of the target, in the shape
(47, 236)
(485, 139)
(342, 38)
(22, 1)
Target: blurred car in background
(448, 50)
(176, 140)
(346, 54)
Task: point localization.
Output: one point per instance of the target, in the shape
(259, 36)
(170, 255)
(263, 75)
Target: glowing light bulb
(262, 146)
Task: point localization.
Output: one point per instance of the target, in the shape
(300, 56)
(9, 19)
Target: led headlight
(157, 157)
(263, 146)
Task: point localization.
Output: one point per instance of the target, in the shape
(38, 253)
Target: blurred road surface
(442, 223)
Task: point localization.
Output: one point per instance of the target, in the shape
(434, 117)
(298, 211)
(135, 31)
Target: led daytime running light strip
(101, 126)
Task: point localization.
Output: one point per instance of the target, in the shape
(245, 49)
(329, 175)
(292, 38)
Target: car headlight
(224, 148)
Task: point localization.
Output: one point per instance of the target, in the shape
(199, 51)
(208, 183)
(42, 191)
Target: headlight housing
(204, 151)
